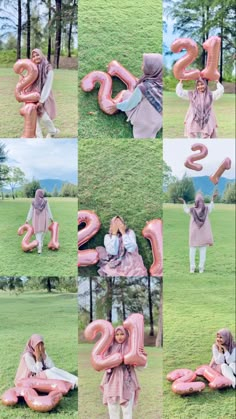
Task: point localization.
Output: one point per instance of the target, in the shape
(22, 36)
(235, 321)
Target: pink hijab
(201, 104)
(39, 202)
(43, 68)
(228, 339)
(199, 211)
(23, 371)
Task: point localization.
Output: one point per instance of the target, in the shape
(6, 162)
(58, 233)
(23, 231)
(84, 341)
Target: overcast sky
(44, 159)
(176, 151)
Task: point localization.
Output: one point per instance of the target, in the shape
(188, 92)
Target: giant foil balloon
(153, 232)
(212, 46)
(183, 382)
(54, 242)
(135, 326)
(115, 69)
(92, 226)
(28, 111)
(203, 151)
(179, 68)
(45, 385)
(225, 165)
(99, 360)
(26, 245)
(216, 380)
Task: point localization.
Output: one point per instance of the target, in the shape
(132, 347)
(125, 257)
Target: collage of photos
(117, 209)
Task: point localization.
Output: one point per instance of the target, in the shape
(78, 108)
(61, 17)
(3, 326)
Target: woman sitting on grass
(224, 355)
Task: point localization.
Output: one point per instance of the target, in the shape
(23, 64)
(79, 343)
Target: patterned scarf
(201, 104)
(150, 83)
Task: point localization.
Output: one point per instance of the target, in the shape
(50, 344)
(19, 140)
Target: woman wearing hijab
(46, 108)
(200, 234)
(40, 214)
(224, 355)
(120, 255)
(35, 362)
(200, 120)
(120, 385)
(144, 106)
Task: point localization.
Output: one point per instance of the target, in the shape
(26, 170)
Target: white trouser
(40, 236)
(202, 256)
(55, 373)
(114, 409)
(229, 372)
(47, 123)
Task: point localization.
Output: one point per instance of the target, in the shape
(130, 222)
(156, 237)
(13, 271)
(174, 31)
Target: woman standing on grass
(120, 256)
(200, 234)
(144, 106)
(46, 107)
(224, 355)
(200, 120)
(40, 214)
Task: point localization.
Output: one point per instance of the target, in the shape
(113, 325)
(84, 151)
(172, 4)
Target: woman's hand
(181, 200)
(39, 105)
(214, 196)
(112, 108)
(143, 351)
(121, 226)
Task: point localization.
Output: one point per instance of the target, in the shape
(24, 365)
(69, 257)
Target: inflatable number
(153, 232)
(225, 165)
(216, 380)
(54, 229)
(212, 46)
(179, 68)
(135, 326)
(25, 244)
(45, 385)
(28, 111)
(92, 226)
(189, 163)
(115, 69)
(183, 382)
(98, 359)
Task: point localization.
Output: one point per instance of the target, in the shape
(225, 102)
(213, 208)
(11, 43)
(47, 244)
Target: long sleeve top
(35, 366)
(30, 213)
(183, 94)
(132, 102)
(47, 87)
(111, 242)
(220, 358)
(187, 209)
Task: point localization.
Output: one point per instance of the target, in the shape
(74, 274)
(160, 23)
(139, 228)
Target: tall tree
(58, 18)
(15, 178)
(19, 29)
(28, 26)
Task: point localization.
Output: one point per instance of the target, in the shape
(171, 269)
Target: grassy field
(15, 262)
(54, 316)
(175, 110)
(65, 93)
(123, 177)
(200, 305)
(150, 380)
(114, 31)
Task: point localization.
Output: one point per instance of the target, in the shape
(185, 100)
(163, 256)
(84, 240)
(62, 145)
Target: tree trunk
(123, 304)
(221, 50)
(109, 299)
(159, 339)
(58, 34)
(28, 29)
(70, 28)
(150, 308)
(90, 300)
(49, 32)
(18, 47)
(49, 286)
(203, 60)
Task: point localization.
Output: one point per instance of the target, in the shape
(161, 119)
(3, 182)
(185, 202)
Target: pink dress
(200, 236)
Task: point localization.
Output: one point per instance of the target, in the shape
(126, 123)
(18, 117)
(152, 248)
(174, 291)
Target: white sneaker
(192, 270)
(201, 270)
(53, 135)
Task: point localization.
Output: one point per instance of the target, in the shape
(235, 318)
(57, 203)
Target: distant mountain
(204, 184)
(47, 184)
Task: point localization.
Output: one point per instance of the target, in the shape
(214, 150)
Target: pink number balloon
(42, 403)
(25, 244)
(183, 382)
(153, 232)
(54, 229)
(99, 360)
(45, 385)
(179, 68)
(28, 111)
(216, 380)
(135, 326)
(92, 226)
(212, 46)
(189, 163)
(225, 165)
(115, 69)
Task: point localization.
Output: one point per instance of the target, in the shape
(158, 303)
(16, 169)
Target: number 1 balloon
(54, 243)
(153, 232)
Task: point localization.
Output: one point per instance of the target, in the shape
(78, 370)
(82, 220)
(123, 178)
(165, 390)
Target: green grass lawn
(108, 31)
(195, 308)
(124, 179)
(55, 317)
(150, 380)
(65, 93)
(15, 262)
(175, 110)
